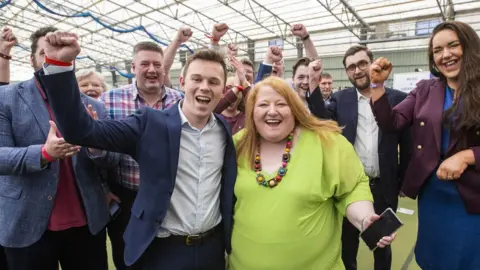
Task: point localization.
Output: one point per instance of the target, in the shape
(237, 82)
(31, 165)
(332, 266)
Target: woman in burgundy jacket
(444, 171)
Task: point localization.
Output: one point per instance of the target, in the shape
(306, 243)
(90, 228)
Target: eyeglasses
(362, 65)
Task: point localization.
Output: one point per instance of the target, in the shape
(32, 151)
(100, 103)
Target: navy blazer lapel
(30, 93)
(351, 102)
(174, 126)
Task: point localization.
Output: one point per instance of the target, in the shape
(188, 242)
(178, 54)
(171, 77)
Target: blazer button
(419, 147)
(422, 124)
(49, 198)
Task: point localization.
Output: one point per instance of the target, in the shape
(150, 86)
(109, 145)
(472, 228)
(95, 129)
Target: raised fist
(274, 54)
(219, 30)
(184, 34)
(315, 69)
(380, 70)
(299, 30)
(62, 46)
(7, 40)
(232, 50)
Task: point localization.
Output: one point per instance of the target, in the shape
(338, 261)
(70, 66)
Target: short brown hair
(207, 55)
(304, 61)
(37, 35)
(246, 61)
(147, 46)
(326, 75)
(355, 49)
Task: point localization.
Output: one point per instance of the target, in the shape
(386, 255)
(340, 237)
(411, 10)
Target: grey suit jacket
(27, 191)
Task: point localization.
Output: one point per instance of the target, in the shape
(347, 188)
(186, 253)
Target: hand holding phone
(385, 226)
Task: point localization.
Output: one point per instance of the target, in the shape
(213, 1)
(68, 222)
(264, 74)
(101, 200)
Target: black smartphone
(385, 226)
(114, 209)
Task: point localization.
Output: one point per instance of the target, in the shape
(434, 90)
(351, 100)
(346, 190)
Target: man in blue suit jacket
(378, 151)
(53, 206)
(182, 216)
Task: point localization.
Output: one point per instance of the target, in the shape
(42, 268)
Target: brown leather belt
(196, 239)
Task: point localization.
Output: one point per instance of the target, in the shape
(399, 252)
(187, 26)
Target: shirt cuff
(267, 64)
(49, 69)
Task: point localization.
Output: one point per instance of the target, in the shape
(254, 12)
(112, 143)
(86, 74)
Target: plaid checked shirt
(122, 102)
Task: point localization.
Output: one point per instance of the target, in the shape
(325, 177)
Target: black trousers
(3, 259)
(351, 240)
(116, 228)
(74, 249)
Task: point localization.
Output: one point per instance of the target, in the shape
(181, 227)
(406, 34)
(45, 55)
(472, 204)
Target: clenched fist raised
(380, 70)
(62, 46)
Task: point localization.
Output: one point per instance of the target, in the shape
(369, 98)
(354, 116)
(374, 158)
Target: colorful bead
(282, 171)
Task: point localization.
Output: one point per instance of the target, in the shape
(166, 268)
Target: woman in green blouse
(297, 178)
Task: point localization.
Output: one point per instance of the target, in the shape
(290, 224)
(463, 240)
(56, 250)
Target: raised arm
(183, 35)
(300, 31)
(274, 55)
(74, 122)
(389, 119)
(314, 96)
(7, 41)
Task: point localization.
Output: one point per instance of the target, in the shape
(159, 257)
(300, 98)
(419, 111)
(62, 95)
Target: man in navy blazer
(53, 205)
(379, 152)
(183, 213)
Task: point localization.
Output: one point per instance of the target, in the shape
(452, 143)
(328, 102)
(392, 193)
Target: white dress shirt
(366, 141)
(195, 204)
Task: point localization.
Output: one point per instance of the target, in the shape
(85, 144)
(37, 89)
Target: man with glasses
(378, 152)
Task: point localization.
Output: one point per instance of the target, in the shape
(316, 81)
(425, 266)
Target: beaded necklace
(282, 171)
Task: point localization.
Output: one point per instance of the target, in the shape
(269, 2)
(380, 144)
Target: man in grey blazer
(53, 205)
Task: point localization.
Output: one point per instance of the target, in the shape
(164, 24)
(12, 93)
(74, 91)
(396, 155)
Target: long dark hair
(464, 115)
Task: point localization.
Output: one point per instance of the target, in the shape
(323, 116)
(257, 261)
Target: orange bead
(257, 158)
(287, 150)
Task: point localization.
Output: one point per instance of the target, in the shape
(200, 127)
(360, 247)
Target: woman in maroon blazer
(445, 168)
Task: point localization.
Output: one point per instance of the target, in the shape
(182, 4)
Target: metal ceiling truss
(282, 25)
(348, 17)
(447, 9)
(34, 23)
(208, 31)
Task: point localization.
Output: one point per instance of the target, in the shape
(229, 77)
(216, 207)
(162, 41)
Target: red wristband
(212, 38)
(241, 88)
(46, 156)
(56, 62)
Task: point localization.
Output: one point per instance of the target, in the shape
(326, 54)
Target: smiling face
(148, 69)
(300, 81)
(203, 85)
(272, 116)
(357, 67)
(447, 53)
(91, 86)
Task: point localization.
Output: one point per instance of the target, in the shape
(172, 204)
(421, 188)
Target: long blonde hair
(247, 144)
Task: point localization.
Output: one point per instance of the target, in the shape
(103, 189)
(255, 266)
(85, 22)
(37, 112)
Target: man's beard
(36, 66)
(361, 86)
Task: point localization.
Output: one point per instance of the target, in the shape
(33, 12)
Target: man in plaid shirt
(147, 90)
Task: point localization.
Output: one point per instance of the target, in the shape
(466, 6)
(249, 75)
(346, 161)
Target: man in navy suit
(378, 151)
(53, 207)
(182, 215)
